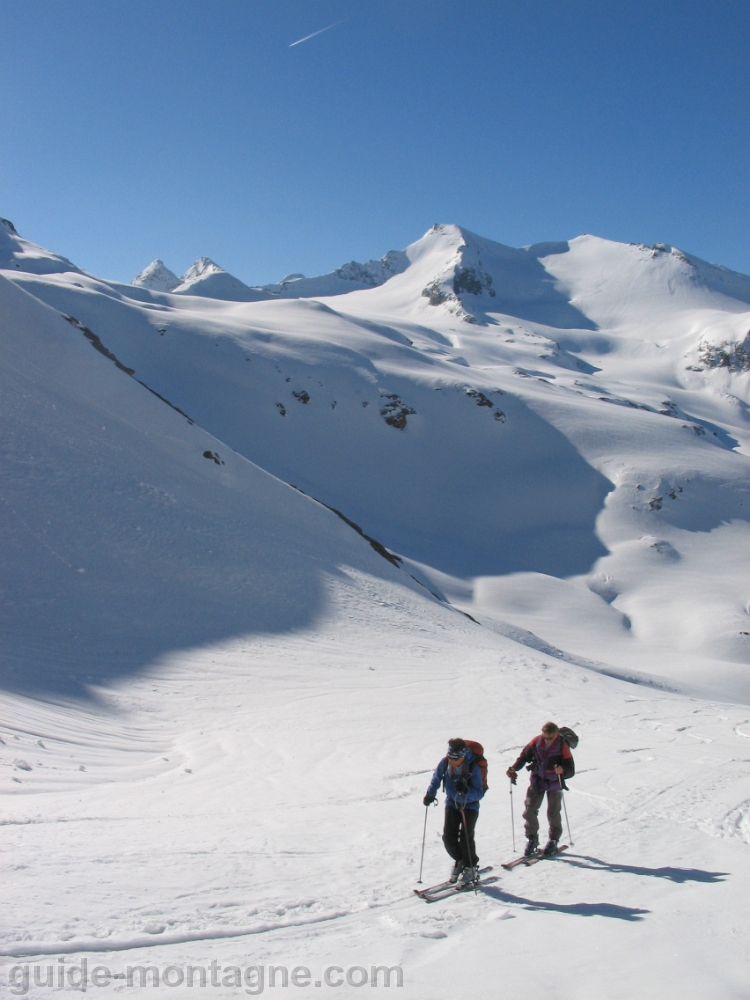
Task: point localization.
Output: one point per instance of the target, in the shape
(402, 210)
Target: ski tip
(510, 865)
(541, 856)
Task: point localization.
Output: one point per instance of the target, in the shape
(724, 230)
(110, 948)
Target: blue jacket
(455, 799)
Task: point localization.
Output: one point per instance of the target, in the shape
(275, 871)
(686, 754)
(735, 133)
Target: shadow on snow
(629, 913)
(678, 875)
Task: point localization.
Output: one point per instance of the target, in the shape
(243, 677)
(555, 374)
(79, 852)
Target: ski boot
(550, 848)
(532, 845)
(470, 875)
(458, 867)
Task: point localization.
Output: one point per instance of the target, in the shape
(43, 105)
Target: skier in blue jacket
(463, 789)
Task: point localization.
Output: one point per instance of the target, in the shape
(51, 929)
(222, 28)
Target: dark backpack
(479, 759)
(569, 737)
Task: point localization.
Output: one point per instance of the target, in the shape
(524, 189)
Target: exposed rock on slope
(734, 356)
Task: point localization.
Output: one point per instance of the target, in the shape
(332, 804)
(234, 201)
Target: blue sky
(134, 130)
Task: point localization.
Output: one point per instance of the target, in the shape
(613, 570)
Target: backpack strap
(444, 764)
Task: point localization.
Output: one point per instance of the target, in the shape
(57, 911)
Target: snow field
(286, 829)
(221, 706)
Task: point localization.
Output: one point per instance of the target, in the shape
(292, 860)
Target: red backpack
(479, 759)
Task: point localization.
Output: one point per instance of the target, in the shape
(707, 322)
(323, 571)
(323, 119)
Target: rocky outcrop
(732, 355)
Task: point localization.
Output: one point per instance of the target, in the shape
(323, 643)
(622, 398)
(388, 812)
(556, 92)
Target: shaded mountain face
(480, 410)
(128, 531)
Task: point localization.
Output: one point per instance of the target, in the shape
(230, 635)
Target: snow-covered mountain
(481, 276)
(557, 412)
(157, 277)
(262, 556)
(206, 278)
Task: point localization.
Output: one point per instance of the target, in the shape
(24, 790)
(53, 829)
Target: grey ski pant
(532, 805)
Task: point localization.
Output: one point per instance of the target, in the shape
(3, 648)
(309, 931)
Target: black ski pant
(533, 803)
(459, 837)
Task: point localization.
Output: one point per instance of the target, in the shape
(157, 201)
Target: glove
(512, 774)
(428, 799)
(462, 786)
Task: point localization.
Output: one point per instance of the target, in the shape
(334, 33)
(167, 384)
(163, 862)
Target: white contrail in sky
(319, 32)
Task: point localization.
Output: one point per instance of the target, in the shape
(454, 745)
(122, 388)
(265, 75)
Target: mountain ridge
(472, 276)
(464, 284)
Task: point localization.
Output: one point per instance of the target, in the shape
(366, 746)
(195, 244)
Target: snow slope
(18, 254)
(129, 531)
(221, 704)
(556, 418)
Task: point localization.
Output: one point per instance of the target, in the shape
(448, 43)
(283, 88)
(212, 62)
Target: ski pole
(512, 817)
(570, 835)
(424, 834)
(562, 796)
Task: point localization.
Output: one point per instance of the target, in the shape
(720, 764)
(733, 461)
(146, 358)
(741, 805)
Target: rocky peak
(157, 277)
(203, 267)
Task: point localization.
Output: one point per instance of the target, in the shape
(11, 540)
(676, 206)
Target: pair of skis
(443, 890)
(532, 859)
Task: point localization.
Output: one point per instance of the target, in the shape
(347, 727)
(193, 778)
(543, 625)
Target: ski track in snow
(91, 945)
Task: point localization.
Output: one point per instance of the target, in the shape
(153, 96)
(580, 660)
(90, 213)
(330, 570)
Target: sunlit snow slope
(220, 701)
(555, 435)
